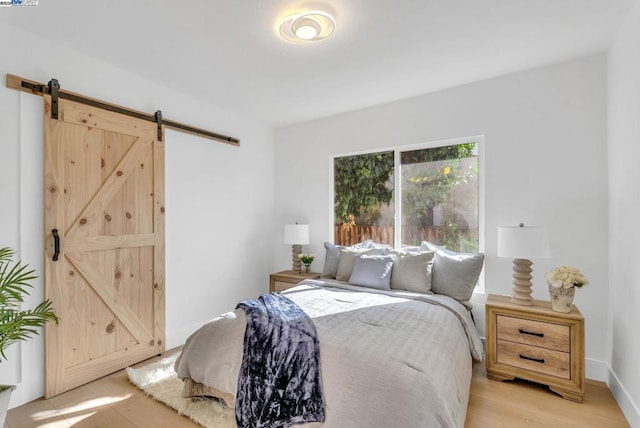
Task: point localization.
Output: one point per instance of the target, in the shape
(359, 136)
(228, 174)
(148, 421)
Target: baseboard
(596, 370)
(629, 408)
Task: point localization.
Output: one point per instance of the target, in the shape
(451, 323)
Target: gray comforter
(388, 358)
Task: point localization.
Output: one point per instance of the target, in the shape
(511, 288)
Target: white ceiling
(228, 51)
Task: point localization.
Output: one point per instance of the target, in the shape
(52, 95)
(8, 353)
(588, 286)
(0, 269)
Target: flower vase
(562, 298)
(306, 267)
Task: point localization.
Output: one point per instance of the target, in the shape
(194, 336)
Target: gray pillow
(348, 256)
(412, 271)
(411, 249)
(367, 243)
(372, 244)
(372, 271)
(331, 259)
(454, 274)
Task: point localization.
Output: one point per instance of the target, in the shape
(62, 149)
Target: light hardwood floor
(113, 402)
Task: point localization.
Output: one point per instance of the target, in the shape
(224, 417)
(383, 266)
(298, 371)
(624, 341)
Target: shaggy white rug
(159, 380)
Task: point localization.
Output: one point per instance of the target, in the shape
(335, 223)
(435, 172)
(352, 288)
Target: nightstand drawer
(536, 333)
(281, 285)
(540, 360)
(286, 279)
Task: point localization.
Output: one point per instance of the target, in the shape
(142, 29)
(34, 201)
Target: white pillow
(412, 271)
(372, 271)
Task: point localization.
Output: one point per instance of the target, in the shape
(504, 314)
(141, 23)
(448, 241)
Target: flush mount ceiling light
(307, 26)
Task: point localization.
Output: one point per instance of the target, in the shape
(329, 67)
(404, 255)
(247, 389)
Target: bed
(388, 356)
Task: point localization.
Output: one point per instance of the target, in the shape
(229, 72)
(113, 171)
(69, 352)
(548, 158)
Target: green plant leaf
(16, 324)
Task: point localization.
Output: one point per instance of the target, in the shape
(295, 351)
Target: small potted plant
(17, 324)
(306, 259)
(562, 282)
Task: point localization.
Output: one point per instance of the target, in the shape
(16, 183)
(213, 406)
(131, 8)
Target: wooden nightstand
(537, 344)
(287, 278)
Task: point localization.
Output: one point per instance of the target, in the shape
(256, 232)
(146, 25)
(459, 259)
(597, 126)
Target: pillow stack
(426, 269)
(332, 257)
(348, 257)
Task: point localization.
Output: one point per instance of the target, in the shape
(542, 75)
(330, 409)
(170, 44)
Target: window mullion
(397, 200)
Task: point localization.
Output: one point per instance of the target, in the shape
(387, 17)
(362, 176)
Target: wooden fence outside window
(351, 235)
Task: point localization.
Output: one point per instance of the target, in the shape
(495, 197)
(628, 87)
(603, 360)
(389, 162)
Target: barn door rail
(53, 89)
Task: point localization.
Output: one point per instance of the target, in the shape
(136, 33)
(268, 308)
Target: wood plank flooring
(113, 402)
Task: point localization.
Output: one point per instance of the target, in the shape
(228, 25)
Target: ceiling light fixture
(307, 26)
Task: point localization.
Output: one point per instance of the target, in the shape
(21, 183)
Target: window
(439, 196)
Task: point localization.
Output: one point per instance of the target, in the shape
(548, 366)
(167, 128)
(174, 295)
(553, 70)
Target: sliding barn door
(104, 195)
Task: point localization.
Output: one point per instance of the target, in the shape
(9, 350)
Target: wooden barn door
(104, 194)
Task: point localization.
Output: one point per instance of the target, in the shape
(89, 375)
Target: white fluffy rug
(159, 380)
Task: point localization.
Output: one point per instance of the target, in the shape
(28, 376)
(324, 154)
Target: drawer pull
(521, 331)
(537, 360)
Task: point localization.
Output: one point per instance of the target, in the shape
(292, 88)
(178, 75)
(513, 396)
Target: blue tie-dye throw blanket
(279, 382)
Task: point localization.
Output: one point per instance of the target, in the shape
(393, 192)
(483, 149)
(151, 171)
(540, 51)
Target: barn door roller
(54, 87)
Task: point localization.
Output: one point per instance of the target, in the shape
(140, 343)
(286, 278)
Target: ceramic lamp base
(522, 282)
(296, 249)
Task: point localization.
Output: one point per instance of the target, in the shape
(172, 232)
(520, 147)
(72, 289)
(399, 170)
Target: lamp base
(296, 249)
(522, 282)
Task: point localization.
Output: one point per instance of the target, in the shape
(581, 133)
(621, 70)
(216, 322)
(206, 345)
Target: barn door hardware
(56, 244)
(33, 87)
(53, 89)
(158, 117)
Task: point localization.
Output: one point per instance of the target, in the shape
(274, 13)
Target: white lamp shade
(523, 242)
(296, 234)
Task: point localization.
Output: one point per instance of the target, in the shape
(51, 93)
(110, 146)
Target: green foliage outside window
(361, 183)
(424, 186)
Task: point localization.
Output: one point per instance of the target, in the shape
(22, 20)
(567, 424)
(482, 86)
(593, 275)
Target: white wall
(219, 198)
(545, 162)
(624, 188)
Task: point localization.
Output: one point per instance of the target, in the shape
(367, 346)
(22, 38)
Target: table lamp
(522, 243)
(297, 235)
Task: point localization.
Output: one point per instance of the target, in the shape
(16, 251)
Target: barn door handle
(56, 244)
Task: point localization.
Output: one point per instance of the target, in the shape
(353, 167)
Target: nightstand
(537, 344)
(286, 279)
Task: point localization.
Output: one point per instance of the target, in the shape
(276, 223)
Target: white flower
(566, 277)
(306, 258)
